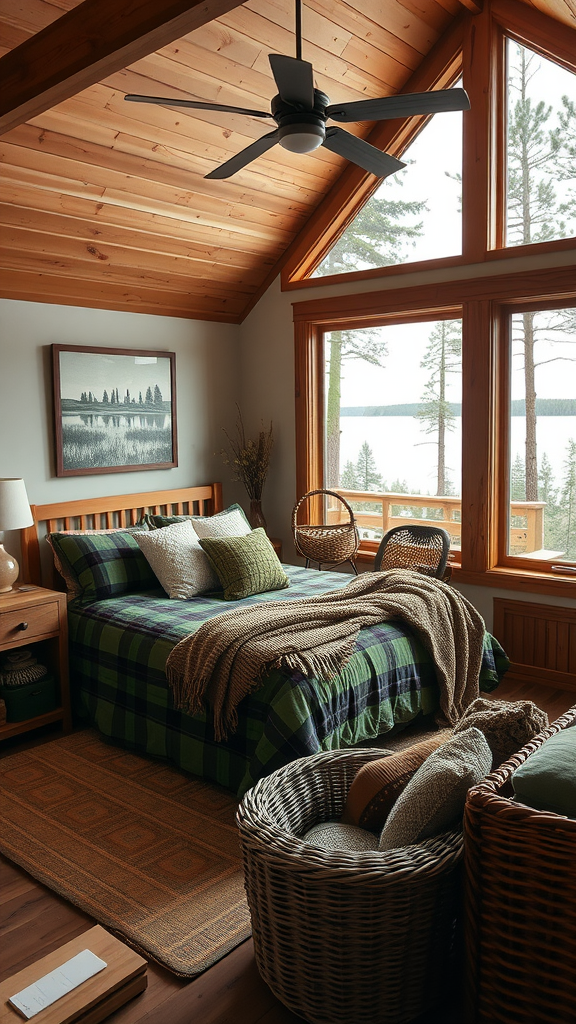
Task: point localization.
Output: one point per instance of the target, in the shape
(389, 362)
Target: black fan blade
(245, 156)
(361, 153)
(196, 105)
(294, 80)
(405, 105)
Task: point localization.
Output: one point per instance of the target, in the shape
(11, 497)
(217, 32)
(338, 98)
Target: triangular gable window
(415, 214)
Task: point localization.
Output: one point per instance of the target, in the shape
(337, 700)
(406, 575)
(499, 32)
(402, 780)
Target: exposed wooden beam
(88, 43)
(475, 6)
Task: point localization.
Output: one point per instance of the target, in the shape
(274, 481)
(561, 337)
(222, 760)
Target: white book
(57, 983)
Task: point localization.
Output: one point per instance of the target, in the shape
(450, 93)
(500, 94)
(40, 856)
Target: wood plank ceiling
(104, 203)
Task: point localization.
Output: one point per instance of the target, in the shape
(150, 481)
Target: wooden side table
(38, 616)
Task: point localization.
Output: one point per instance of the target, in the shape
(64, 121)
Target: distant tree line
(544, 407)
(153, 397)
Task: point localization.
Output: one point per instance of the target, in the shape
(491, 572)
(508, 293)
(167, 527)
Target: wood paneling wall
(539, 639)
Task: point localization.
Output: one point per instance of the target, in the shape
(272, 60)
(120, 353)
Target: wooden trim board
(95, 999)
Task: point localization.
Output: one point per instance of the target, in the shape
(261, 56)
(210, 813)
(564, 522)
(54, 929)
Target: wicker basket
(329, 544)
(520, 916)
(342, 937)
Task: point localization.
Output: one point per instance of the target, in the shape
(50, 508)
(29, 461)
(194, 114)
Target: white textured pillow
(435, 796)
(226, 524)
(175, 556)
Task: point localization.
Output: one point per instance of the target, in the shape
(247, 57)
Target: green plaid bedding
(119, 647)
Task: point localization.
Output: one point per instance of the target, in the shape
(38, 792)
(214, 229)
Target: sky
(84, 371)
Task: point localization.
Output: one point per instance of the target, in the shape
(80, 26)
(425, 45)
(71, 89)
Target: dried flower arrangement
(250, 460)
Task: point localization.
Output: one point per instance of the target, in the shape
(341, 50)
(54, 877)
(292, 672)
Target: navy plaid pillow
(97, 566)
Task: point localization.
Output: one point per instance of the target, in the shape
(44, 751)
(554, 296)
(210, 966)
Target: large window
(541, 148)
(393, 400)
(415, 214)
(541, 427)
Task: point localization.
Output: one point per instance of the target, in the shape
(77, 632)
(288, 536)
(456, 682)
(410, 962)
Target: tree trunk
(441, 476)
(530, 389)
(332, 467)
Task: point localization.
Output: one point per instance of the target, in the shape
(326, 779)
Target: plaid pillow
(100, 565)
(245, 565)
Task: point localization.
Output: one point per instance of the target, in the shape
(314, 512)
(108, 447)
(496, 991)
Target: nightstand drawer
(29, 622)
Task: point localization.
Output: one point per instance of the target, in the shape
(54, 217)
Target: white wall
(267, 387)
(207, 374)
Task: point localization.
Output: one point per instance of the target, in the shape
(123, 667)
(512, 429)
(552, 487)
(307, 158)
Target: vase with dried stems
(250, 459)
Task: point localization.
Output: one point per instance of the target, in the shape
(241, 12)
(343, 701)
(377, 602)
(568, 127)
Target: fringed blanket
(228, 656)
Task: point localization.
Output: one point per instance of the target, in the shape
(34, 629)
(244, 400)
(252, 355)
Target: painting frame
(115, 411)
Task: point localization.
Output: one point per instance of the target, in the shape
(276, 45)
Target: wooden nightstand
(38, 616)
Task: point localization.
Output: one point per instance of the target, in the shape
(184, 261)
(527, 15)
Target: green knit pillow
(245, 565)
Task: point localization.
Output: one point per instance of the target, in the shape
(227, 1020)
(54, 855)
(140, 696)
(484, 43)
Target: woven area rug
(151, 854)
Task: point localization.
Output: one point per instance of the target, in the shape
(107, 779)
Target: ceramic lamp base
(8, 571)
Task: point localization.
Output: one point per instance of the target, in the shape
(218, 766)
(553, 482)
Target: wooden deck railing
(397, 510)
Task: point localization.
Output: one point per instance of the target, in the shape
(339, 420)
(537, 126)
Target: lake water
(93, 440)
(402, 450)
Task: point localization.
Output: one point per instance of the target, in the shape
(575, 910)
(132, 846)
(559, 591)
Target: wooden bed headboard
(108, 513)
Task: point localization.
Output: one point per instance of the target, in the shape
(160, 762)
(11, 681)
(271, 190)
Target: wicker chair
(520, 919)
(341, 937)
(326, 543)
(424, 548)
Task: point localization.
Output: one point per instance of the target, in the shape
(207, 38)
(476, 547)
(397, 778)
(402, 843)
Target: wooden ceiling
(104, 203)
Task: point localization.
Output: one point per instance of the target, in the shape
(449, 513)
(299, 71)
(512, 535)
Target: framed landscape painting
(114, 410)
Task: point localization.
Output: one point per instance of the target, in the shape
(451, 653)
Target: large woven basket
(343, 937)
(520, 916)
(326, 543)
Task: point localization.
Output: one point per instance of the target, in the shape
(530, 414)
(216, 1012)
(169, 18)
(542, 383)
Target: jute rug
(150, 853)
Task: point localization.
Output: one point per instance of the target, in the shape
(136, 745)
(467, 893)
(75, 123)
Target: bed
(119, 647)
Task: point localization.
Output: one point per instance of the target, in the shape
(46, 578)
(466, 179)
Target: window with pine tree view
(416, 213)
(541, 149)
(393, 424)
(542, 432)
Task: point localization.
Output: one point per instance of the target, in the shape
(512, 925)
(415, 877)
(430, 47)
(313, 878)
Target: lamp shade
(15, 511)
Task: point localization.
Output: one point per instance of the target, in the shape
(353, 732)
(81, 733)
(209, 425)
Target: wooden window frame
(474, 46)
(482, 301)
(504, 313)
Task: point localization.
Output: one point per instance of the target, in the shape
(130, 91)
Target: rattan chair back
(424, 548)
(326, 543)
(520, 902)
(343, 937)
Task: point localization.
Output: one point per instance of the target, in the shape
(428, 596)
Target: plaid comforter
(119, 647)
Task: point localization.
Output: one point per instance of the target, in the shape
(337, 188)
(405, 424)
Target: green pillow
(547, 779)
(245, 565)
(101, 565)
(157, 522)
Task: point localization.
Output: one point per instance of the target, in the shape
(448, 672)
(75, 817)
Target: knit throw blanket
(228, 656)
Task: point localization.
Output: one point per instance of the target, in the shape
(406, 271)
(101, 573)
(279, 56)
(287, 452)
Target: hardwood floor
(34, 921)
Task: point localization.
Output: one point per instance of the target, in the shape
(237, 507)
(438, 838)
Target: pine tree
(139, 398)
(113, 397)
(369, 479)
(157, 395)
(349, 477)
(368, 345)
(536, 151)
(518, 480)
(127, 397)
(568, 501)
(375, 238)
(443, 356)
(104, 397)
(149, 398)
(83, 397)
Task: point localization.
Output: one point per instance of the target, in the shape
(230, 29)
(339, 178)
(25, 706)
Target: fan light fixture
(301, 138)
(301, 111)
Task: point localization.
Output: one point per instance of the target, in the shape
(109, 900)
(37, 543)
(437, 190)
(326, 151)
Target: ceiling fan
(301, 112)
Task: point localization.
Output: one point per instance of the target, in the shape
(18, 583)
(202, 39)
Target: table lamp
(15, 514)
